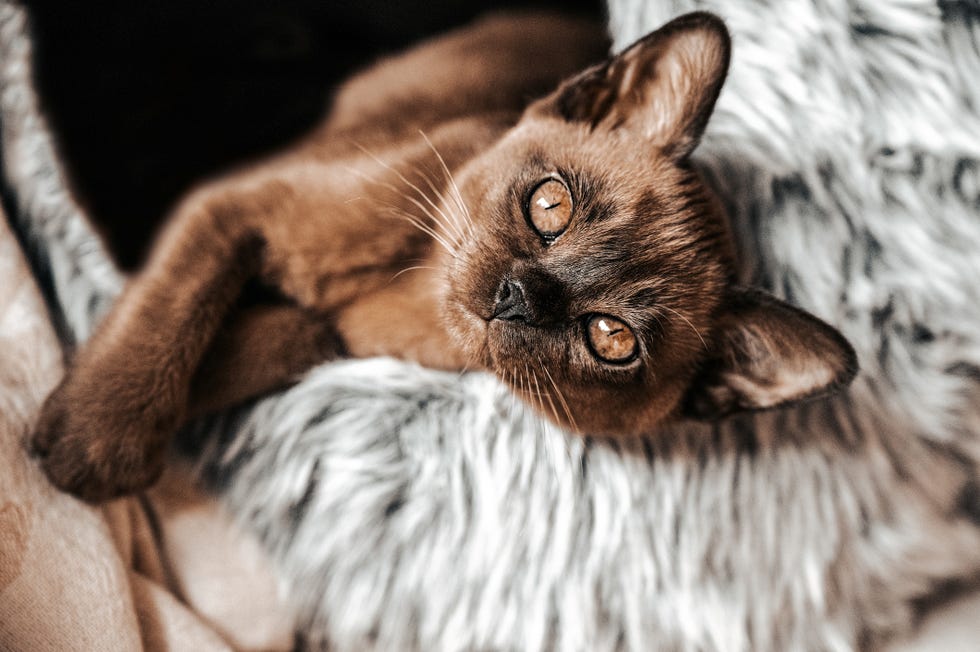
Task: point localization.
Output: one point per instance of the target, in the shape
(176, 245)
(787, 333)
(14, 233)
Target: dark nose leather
(511, 302)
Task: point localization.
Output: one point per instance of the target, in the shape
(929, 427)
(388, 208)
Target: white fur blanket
(409, 509)
(163, 572)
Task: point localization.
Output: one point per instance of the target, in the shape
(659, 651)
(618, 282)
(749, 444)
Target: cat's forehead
(621, 199)
(611, 175)
(579, 146)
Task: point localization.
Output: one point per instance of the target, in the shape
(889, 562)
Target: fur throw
(410, 509)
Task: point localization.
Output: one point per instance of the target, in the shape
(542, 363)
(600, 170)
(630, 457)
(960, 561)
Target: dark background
(147, 96)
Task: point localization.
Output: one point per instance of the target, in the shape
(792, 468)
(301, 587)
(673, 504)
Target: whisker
(400, 213)
(514, 391)
(423, 227)
(538, 405)
(660, 323)
(561, 398)
(453, 216)
(547, 395)
(530, 396)
(396, 190)
(450, 218)
(452, 181)
(406, 181)
(703, 343)
(462, 372)
(520, 383)
(409, 269)
(536, 394)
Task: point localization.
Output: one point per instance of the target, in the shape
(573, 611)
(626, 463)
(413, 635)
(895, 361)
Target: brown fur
(436, 147)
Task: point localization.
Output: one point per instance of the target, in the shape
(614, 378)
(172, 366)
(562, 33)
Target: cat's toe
(50, 423)
(89, 451)
(71, 468)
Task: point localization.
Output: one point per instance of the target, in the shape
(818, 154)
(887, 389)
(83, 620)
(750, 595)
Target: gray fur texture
(410, 509)
(79, 280)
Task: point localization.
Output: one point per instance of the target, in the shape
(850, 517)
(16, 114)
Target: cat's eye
(550, 208)
(610, 339)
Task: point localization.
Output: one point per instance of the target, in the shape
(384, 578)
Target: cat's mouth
(508, 343)
(491, 343)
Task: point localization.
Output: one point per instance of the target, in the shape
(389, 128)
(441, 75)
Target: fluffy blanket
(164, 571)
(409, 509)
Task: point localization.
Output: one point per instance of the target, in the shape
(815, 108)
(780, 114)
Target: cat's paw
(96, 447)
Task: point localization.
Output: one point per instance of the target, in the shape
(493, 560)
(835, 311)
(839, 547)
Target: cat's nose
(511, 302)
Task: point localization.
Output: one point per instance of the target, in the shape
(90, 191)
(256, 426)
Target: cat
(565, 244)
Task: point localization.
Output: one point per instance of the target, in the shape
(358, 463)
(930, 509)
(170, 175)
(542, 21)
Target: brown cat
(566, 245)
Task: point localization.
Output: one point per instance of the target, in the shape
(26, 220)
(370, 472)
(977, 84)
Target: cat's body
(565, 245)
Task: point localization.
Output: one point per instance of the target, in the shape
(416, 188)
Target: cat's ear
(663, 87)
(768, 354)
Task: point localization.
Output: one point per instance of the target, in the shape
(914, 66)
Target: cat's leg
(105, 429)
(260, 349)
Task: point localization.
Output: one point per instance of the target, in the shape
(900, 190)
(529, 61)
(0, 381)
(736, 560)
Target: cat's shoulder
(497, 63)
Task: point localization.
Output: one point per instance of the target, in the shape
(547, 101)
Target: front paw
(97, 447)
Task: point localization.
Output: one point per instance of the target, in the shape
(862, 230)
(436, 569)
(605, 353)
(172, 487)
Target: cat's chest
(405, 318)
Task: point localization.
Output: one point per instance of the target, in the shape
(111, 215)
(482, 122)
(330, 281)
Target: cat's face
(597, 280)
(594, 266)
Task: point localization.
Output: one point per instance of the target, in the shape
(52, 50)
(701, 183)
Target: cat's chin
(470, 334)
(489, 344)
(508, 350)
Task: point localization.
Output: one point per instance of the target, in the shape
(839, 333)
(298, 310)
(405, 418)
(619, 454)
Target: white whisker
(384, 184)
(397, 212)
(408, 269)
(449, 175)
(547, 395)
(409, 183)
(512, 381)
(423, 227)
(449, 219)
(537, 403)
(561, 398)
(453, 215)
(703, 343)
(520, 379)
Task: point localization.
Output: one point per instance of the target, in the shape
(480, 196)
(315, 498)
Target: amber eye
(550, 208)
(610, 339)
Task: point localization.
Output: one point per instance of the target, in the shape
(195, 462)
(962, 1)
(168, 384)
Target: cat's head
(599, 280)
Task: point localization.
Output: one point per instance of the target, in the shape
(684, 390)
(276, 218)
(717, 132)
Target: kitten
(566, 245)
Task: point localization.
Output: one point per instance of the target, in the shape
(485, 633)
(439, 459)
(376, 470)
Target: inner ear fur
(663, 87)
(768, 354)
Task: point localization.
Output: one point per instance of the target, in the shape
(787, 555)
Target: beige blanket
(163, 571)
